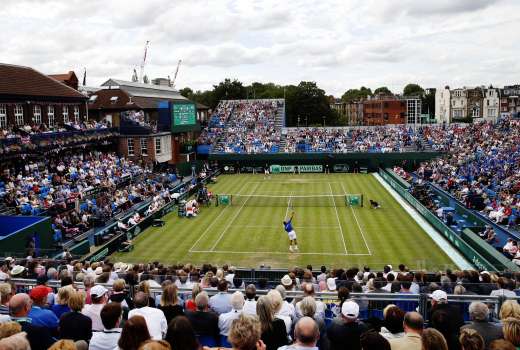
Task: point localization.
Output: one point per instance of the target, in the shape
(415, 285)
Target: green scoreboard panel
(184, 117)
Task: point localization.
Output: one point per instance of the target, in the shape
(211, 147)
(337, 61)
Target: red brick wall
(382, 112)
(137, 157)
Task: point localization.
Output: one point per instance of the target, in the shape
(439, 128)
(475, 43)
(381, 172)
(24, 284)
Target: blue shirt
(220, 303)
(59, 309)
(43, 317)
(288, 226)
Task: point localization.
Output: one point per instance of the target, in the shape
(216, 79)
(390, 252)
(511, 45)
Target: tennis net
(258, 200)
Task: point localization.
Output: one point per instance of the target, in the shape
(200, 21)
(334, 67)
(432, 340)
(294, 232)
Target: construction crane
(176, 72)
(141, 71)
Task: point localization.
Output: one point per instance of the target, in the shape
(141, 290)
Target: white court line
(339, 223)
(274, 253)
(357, 222)
(233, 219)
(293, 182)
(298, 227)
(213, 222)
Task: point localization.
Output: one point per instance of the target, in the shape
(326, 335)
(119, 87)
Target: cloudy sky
(339, 44)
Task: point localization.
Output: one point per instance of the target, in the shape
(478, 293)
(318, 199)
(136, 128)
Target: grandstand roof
(145, 90)
(26, 81)
(132, 95)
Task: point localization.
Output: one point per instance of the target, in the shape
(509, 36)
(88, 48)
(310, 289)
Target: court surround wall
(371, 161)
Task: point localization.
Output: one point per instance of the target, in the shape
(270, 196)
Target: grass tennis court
(249, 233)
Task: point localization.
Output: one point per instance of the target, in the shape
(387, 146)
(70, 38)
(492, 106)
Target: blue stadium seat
(206, 340)
(224, 342)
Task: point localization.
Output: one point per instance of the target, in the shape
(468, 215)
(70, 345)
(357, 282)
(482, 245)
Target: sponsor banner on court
(341, 168)
(316, 168)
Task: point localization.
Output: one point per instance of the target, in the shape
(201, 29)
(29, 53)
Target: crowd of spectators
(137, 118)
(29, 138)
(481, 169)
(342, 140)
(216, 124)
(244, 126)
(120, 306)
(61, 187)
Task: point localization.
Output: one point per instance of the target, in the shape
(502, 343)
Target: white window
(92, 99)
(144, 147)
(3, 116)
(130, 146)
(113, 99)
(492, 112)
(457, 113)
(76, 114)
(37, 114)
(50, 115)
(18, 114)
(158, 145)
(475, 112)
(65, 114)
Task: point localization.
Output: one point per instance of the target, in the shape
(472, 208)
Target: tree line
(305, 103)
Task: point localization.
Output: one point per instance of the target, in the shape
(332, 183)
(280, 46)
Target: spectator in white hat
(346, 329)
(446, 318)
(331, 284)
(287, 282)
(17, 271)
(99, 297)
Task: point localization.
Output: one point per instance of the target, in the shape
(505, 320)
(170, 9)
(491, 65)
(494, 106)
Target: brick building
(30, 98)
(70, 79)
(136, 109)
(382, 110)
(510, 101)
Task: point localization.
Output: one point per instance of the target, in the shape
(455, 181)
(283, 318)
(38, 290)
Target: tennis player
(266, 172)
(287, 225)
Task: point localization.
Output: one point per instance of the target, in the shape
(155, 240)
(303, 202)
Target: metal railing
(372, 304)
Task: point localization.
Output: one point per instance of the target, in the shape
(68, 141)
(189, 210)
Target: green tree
(428, 102)
(229, 90)
(382, 90)
(186, 92)
(356, 94)
(310, 103)
(413, 90)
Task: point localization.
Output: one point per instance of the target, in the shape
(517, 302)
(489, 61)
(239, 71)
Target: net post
(362, 200)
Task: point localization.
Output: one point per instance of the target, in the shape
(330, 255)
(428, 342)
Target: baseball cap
(98, 291)
(331, 283)
(286, 281)
(350, 309)
(39, 292)
(439, 295)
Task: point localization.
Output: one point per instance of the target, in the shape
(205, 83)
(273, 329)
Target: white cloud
(340, 44)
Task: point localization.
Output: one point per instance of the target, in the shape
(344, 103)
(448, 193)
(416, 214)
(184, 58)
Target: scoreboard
(184, 117)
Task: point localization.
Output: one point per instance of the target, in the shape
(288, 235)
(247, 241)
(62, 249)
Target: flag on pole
(85, 77)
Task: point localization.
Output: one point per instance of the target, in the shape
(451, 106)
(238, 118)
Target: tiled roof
(103, 100)
(19, 80)
(62, 77)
